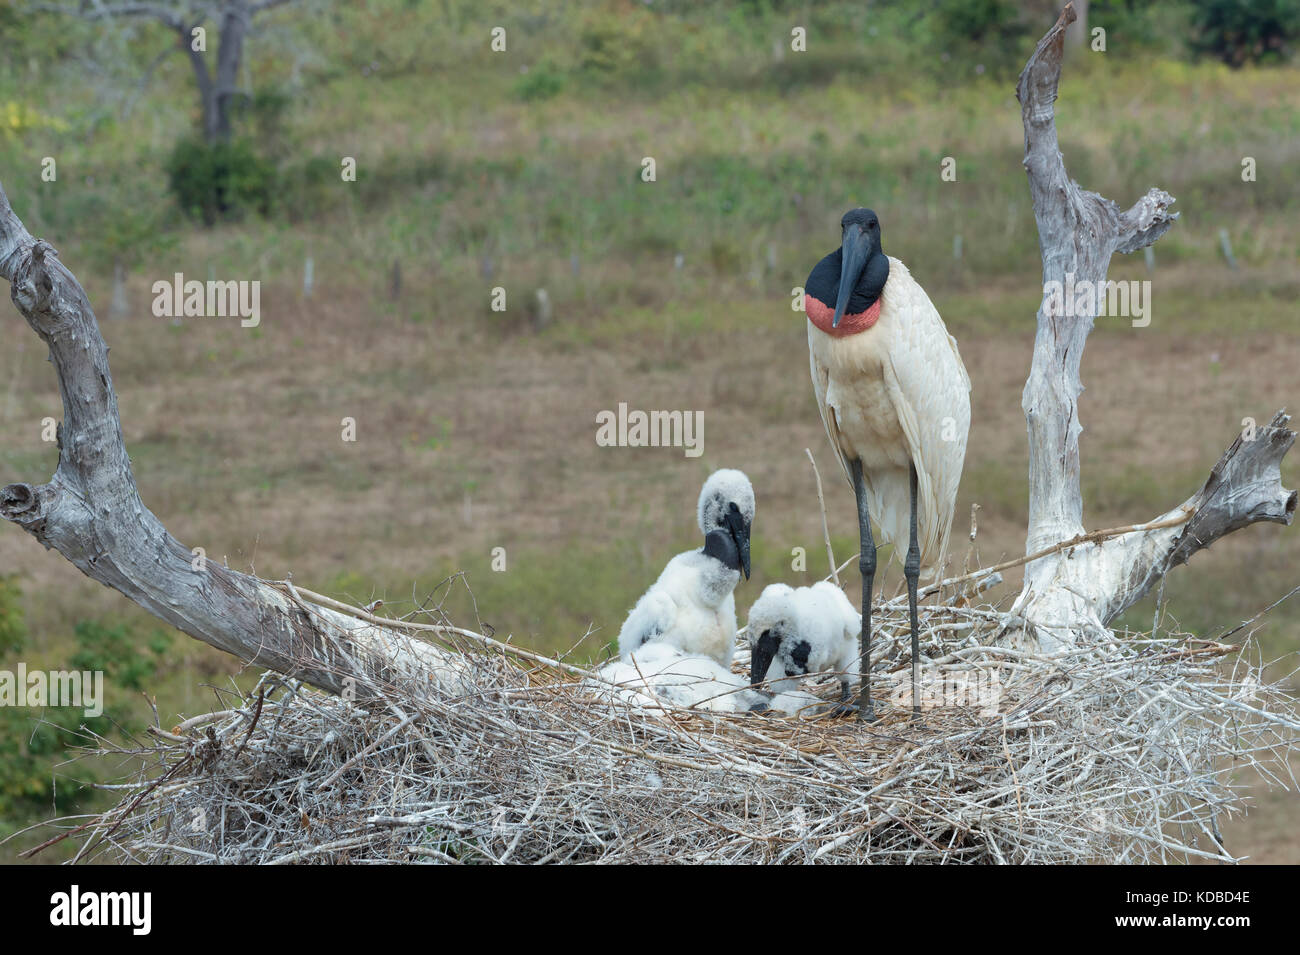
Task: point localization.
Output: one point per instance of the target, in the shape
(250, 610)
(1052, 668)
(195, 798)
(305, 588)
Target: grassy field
(476, 429)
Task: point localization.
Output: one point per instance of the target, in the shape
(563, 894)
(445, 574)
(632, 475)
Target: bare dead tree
(1081, 589)
(217, 87)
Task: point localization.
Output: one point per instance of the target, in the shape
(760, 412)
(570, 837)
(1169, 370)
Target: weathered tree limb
(1244, 488)
(169, 16)
(91, 513)
(1082, 589)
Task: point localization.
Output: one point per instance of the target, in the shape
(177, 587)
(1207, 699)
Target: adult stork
(895, 399)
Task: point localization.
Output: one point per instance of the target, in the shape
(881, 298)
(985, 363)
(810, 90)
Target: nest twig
(1122, 752)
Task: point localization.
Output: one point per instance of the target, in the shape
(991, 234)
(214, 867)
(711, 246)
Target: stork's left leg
(867, 567)
(912, 571)
(843, 707)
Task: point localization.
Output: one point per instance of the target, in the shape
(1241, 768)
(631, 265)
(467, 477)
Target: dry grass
(1122, 752)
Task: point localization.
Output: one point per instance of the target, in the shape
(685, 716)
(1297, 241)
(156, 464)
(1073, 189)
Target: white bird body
(691, 607)
(797, 703)
(894, 394)
(658, 673)
(798, 632)
(894, 397)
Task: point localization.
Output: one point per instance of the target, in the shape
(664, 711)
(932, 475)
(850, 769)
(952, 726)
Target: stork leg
(867, 566)
(843, 707)
(912, 571)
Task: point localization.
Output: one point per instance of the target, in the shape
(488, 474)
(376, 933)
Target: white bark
(1081, 589)
(91, 513)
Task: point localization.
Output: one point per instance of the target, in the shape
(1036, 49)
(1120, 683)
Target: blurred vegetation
(993, 32)
(35, 743)
(1239, 32)
(13, 628)
(685, 57)
(220, 181)
(524, 168)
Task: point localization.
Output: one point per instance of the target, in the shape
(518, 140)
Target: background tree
(189, 22)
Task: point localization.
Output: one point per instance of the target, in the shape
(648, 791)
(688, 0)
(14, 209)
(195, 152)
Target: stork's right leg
(867, 566)
(912, 571)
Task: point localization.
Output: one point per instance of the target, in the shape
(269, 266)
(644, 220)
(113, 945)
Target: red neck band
(821, 315)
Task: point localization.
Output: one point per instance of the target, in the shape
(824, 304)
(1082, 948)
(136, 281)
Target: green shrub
(1245, 31)
(1161, 28)
(31, 742)
(34, 741)
(541, 82)
(13, 630)
(994, 34)
(216, 181)
(113, 650)
(310, 188)
(619, 44)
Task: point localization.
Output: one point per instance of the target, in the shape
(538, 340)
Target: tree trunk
(217, 88)
(1081, 589)
(230, 52)
(204, 87)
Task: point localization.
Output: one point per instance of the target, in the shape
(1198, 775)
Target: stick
(1090, 537)
(826, 530)
(436, 628)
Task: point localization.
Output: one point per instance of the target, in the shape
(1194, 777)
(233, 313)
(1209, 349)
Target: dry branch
(91, 513)
(826, 531)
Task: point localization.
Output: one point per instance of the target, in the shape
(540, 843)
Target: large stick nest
(1123, 752)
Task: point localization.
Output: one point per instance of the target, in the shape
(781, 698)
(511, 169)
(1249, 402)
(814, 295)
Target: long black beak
(854, 252)
(761, 657)
(739, 531)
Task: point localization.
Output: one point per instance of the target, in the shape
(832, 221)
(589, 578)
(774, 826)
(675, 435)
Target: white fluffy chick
(797, 632)
(692, 606)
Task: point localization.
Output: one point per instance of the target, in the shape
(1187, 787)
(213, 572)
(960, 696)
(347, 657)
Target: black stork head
(851, 278)
(777, 650)
(726, 515)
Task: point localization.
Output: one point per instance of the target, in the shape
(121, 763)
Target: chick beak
(738, 528)
(761, 657)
